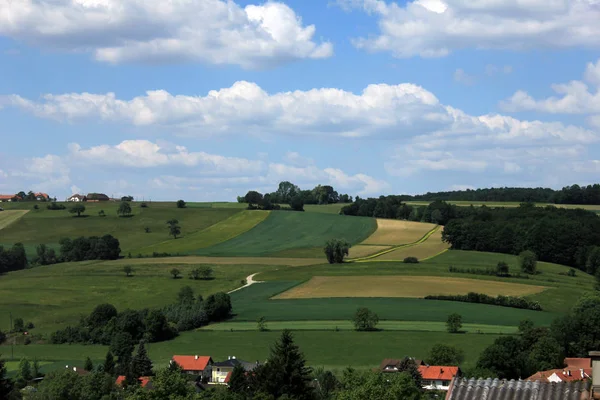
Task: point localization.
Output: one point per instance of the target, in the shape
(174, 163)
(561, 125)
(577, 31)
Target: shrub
(101, 213)
(365, 319)
(180, 204)
(528, 262)
(36, 207)
(144, 205)
(175, 273)
(54, 206)
(411, 260)
(503, 301)
(454, 323)
(502, 269)
(336, 250)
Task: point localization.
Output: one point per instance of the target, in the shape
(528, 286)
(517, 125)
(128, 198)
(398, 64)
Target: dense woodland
(574, 194)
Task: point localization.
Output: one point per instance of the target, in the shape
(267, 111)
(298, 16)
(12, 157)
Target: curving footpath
(249, 281)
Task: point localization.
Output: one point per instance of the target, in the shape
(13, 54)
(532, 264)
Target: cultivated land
(7, 217)
(402, 286)
(394, 232)
(361, 250)
(428, 248)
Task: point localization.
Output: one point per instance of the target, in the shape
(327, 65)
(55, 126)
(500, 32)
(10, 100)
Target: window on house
(218, 369)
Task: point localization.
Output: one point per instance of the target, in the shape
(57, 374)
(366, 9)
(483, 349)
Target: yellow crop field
(394, 232)
(429, 248)
(402, 286)
(7, 217)
(364, 250)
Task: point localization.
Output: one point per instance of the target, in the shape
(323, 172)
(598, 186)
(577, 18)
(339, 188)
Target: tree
(19, 325)
(35, 366)
(195, 274)
(336, 250)
(205, 272)
(109, 363)
(175, 272)
(261, 324)
(365, 319)
(77, 209)
(157, 327)
(502, 269)
(170, 384)
(124, 209)
(454, 323)
(6, 385)
(100, 316)
(122, 347)
(377, 385)
(101, 213)
(528, 262)
(218, 306)
(141, 365)
(186, 296)
(128, 269)
(180, 204)
(24, 374)
(174, 228)
(127, 198)
(88, 365)
(443, 354)
(253, 197)
(297, 203)
(238, 382)
(504, 358)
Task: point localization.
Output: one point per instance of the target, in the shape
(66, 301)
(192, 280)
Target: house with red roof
(144, 381)
(435, 377)
(8, 197)
(195, 365)
(577, 369)
(42, 196)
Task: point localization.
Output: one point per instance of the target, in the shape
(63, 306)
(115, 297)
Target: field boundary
(19, 214)
(401, 246)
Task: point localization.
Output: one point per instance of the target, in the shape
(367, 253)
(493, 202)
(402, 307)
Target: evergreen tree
(24, 374)
(141, 365)
(238, 383)
(109, 363)
(36, 369)
(285, 372)
(89, 365)
(5, 383)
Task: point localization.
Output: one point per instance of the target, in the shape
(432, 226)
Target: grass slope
(286, 230)
(55, 296)
(45, 226)
(7, 217)
(255, 301)
(222, 231)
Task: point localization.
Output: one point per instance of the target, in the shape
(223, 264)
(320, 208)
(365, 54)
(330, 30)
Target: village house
(42, 196)
(195, 365)
(577, 369)
(145, 381)
(8, 198)
(391, 364)
(221, 371)
(438, 377)
(77, 198)
(95, 197)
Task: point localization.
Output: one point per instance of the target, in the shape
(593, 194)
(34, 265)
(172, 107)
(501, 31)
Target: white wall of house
(219, 374)
(436, 384)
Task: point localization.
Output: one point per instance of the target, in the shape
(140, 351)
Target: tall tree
(174, 228)
(88, 365)
(6, 385)
(141, 365)
(335, 250)
(109, 363)
(124, 209)
(443, 354)
(528, 262)
(238, 383)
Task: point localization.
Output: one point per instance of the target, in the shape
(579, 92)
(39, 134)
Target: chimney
(582, 373)
(75, 369)
(229, 357)
(195, 357)
(595, 356)
(233, 357)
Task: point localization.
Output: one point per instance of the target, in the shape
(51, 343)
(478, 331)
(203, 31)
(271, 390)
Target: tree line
(573, 194)
(394, 207)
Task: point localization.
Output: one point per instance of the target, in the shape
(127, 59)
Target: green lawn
(322, 348)
(253, 302)
(46, 226)
(285, 230)
(54, 296)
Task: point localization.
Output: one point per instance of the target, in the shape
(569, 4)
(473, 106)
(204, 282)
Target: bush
(489, 271)
(411, 260)
(365, 319)
(528, 262)
(336, 250)
(480, 298)
(106, 247)
(454, 323)
(144, 205)
(54, 206)
(180, 204)
(36, 207)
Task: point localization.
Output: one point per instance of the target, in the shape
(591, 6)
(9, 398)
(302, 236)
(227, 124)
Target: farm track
(393, 248)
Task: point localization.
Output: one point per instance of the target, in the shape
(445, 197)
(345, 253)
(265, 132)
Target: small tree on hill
(88, 365)
(502, 269)
(454, 323)
(101, 213)
(365, 319)
(253, 197)
(174, 228)
(175, 272)
(180, 204)
(195, 274)
(336, 250)
(205, 272)
(124, 209)
(77, 209)
(261, 324)
(528, 262)
(128, 270)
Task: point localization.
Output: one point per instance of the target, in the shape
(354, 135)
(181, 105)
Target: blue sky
(206, 99)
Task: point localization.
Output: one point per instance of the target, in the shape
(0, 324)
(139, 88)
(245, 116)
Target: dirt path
(249, 281)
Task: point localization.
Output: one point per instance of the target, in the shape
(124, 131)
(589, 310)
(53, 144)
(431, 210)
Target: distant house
(436, 377)
(77, 198)
(7, 198)
(221, 371)
(79, 371)
(391, 364)
(195, 365)
(42, 196)
(93, 197)
(144, 381)
(577, 369)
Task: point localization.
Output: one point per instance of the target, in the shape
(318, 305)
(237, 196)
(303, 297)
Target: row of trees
(106, 326)
(574, 194)
(393, 207)
(287, 193)
(284, 375)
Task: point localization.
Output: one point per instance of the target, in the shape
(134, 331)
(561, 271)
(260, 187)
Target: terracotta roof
(192, 363)
(394, 362)
(436, 372)
(496, 389)
(578, 362)
(79, 371)
(41, 194)
(563, 374)
(144, 380)
(7, 196)
(228, 377)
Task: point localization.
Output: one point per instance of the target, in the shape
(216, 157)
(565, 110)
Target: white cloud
(392, 111)
(576, 97)
(436, 28)
(461, 76)
(209, 31)
(75, 190)
(295, 159)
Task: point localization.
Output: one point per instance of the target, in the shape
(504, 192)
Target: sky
(206, 99)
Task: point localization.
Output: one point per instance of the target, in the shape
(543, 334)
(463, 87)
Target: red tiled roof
(7, 196)
(434, 372)
(578, 362)
(228, 377)
(192, 363)
(565, 375)
(44, 195)
(144, 380)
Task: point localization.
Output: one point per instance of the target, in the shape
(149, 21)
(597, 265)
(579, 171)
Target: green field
(285, 230)
(54, 296)
(321, 348)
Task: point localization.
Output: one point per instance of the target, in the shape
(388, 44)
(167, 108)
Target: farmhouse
(94, 197)
(577, 369)
(77, 198)
(195, 365)
(8, 198)
(42, 196)
(391, 364)
(438, 377)
(221, 371)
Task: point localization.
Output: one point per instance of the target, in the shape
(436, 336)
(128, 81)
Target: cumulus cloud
(461, 76)
(208, 31)
(575, 97)
(436, 28)
(380, 110)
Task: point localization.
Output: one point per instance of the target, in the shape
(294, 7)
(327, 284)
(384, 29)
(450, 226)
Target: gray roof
(496, 389)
